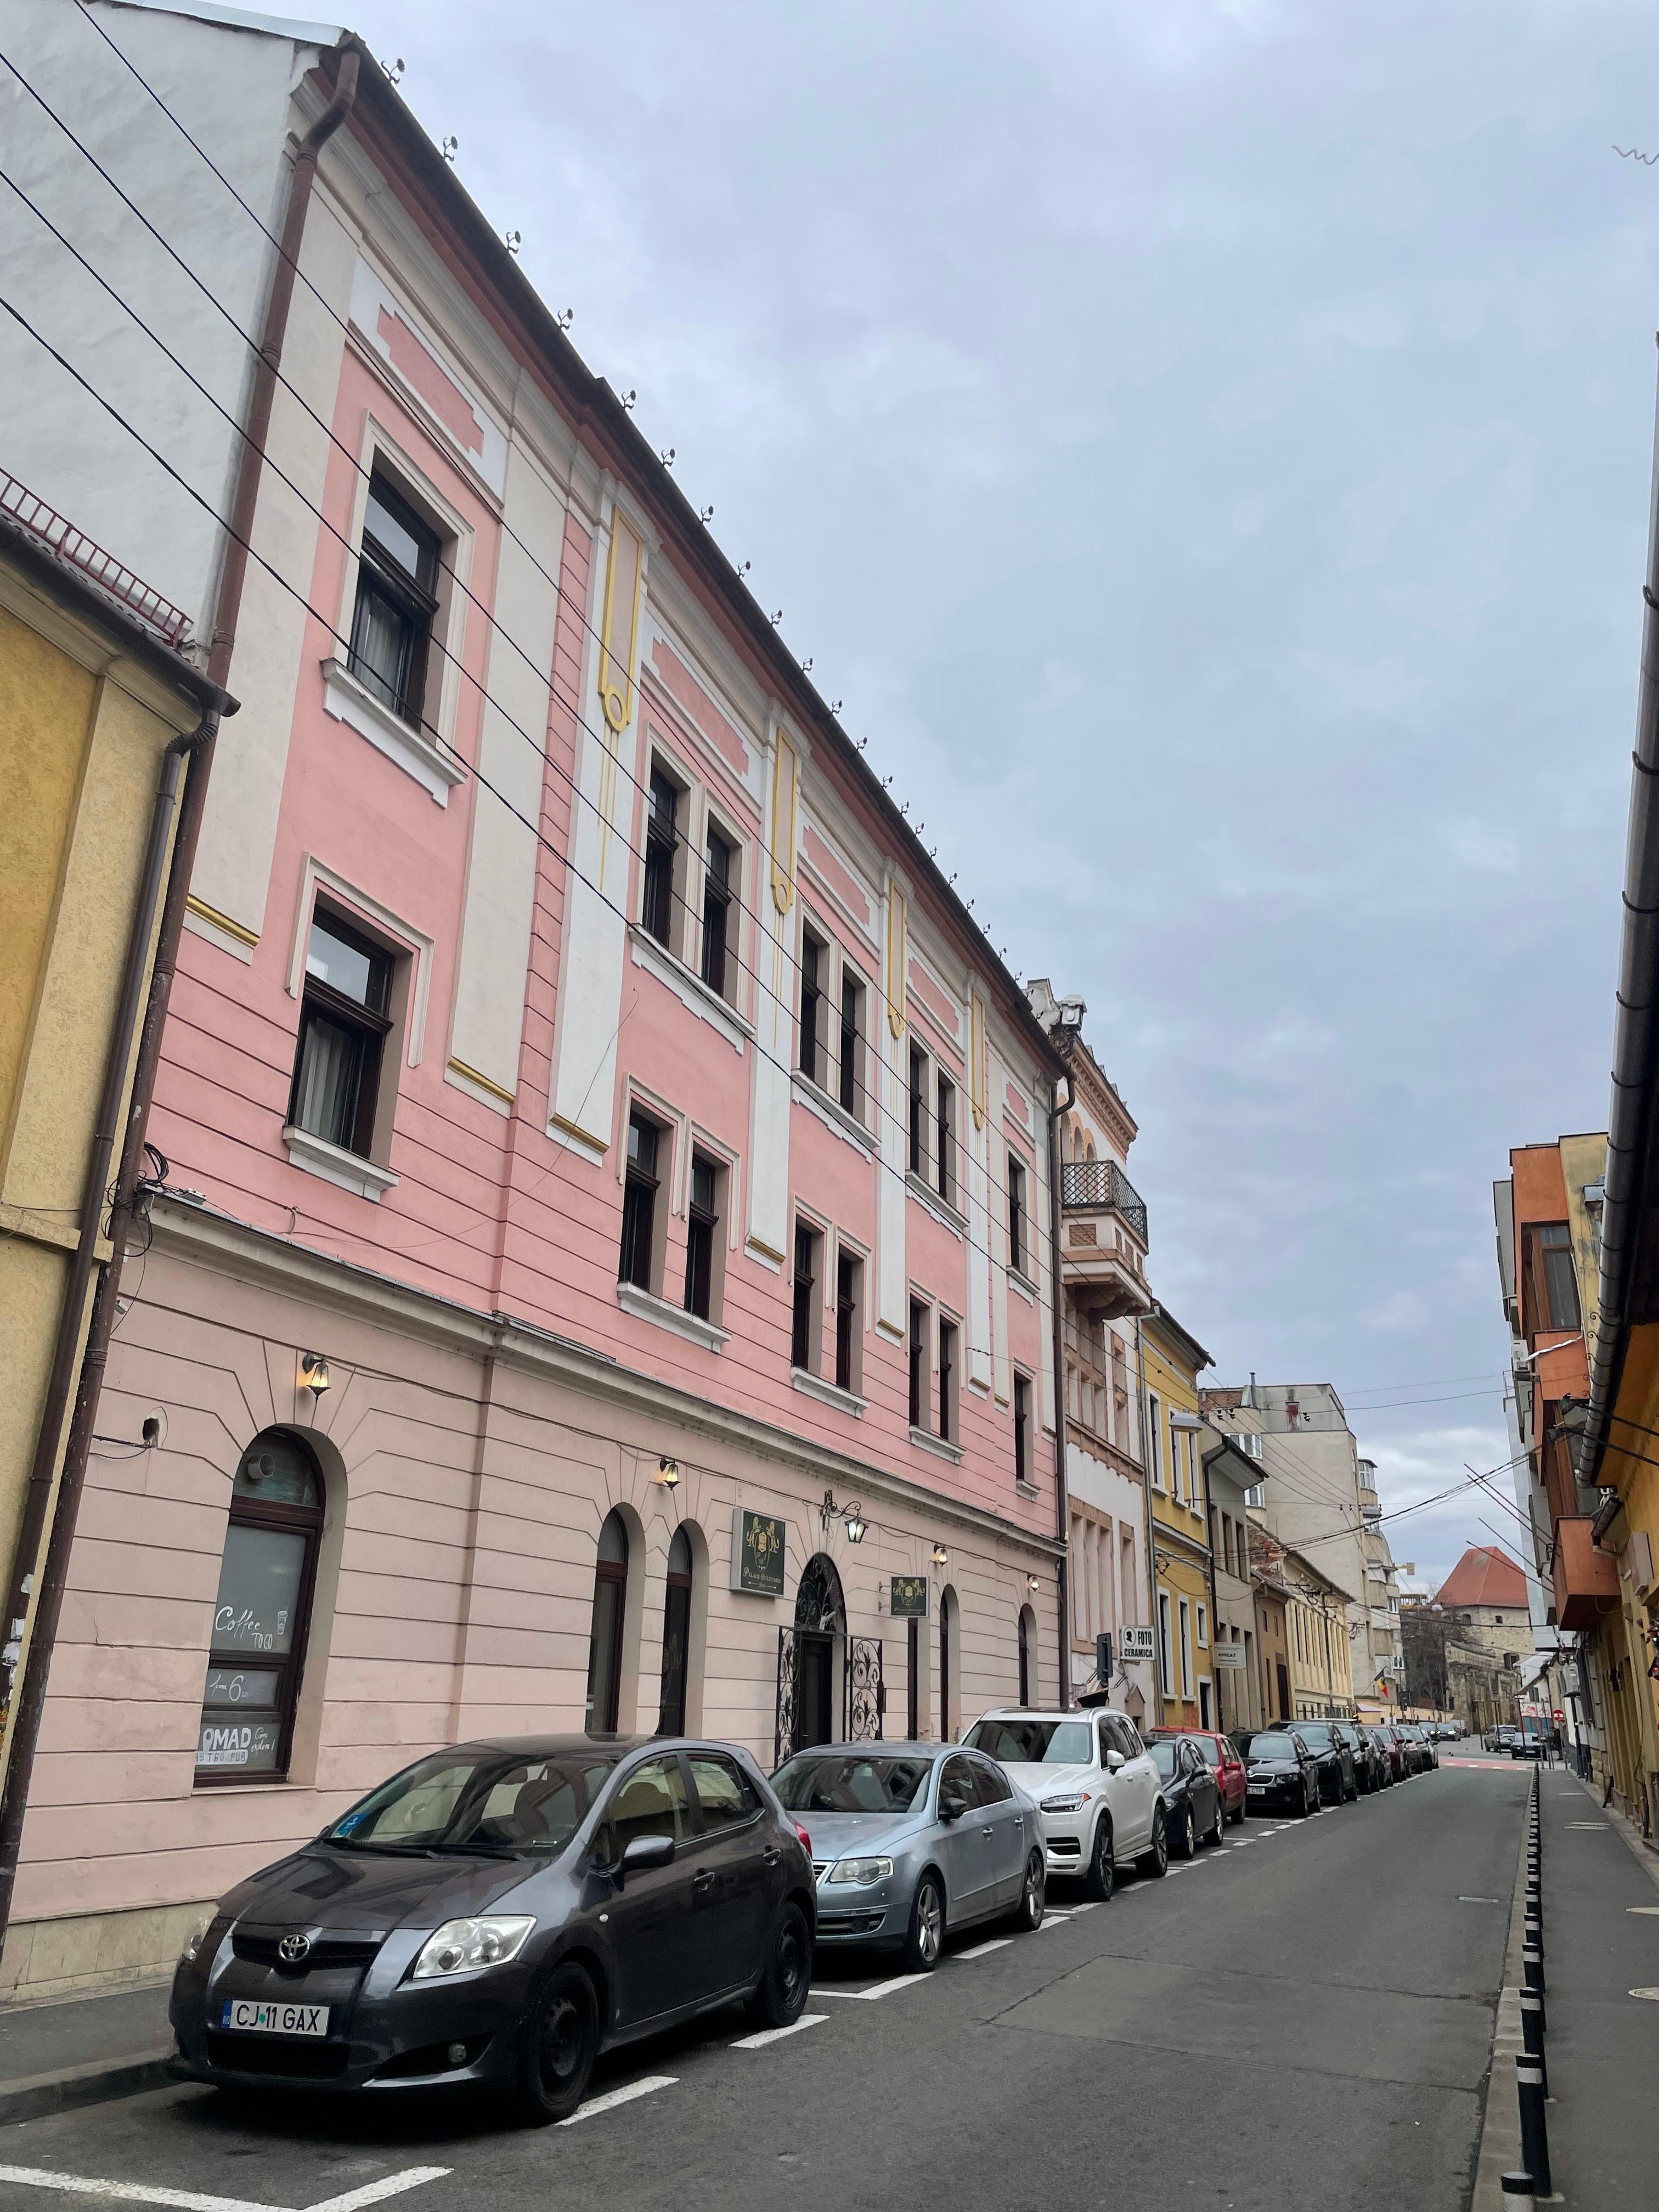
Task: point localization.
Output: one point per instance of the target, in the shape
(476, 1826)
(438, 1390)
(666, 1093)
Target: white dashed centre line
(612, 2098)
(776, 2034)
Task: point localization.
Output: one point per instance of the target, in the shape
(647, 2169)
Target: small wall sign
(1137, 1644)
(757, 1552)
(909, 1600)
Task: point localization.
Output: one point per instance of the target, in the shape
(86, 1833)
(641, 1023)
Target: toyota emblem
(294, 1950)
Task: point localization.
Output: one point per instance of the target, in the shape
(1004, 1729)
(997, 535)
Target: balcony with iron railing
(1104, 1239)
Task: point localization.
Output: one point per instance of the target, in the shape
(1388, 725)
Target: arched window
(1028, 1690)
(947, 1665)
(262, 1612)
(675, 1636)
(604, 1646)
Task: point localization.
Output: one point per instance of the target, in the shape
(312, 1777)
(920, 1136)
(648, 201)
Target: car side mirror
(1114, 1760)
(644, 1852)
(953, 1808)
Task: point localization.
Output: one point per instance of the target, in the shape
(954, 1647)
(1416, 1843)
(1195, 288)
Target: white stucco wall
(230, 89)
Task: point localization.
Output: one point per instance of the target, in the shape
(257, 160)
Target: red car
(1222, 1756)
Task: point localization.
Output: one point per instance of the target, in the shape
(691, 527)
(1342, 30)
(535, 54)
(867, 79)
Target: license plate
(256, 2019)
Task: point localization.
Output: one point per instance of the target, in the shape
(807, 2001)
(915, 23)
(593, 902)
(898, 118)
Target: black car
(1370, 1767)
(1280, 1773)
(1192, 1795)
(1337, 1784)
(498, 1914)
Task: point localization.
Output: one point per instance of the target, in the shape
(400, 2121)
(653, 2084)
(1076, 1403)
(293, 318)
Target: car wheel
(1214, 1836)
(781, 1996)
(561, 2043)
(1309, 1799)
(1028, 1914)
(1154, 1861)
(1351, 1792)
(1237, 1816)
(927, 1932)
(1099, 1880)
(1184, 1842)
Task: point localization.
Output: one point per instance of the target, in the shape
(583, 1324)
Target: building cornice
(203, 1235)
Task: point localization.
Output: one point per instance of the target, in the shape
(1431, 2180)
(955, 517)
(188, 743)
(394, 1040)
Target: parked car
(1499, 1738)
(1416, 1732)
(1413, 1755)
(1528, 1743)
(1192, 1795)
(1094, 1784)
(1221, 1756)
(498, 1914)
(1368, 1765)
(1280, 1771)
(912, 1840)
(1335, 1761)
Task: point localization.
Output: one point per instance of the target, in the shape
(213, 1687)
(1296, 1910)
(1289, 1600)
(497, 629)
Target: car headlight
(466, 1946)
(861, 1870)
(1073, 1804)
(196, 1941)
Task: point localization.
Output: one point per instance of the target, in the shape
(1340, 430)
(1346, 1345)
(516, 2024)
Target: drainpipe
(1146, 1499)
(1062, 1506)
(29, 1698)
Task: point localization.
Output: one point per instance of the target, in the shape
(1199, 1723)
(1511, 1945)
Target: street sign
(1103, 1657)
(1138, 1643)
(1228, 1655)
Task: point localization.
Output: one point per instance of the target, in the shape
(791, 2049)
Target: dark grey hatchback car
(497, 1915)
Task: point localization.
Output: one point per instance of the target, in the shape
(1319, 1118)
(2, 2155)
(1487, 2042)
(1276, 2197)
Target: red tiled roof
(1484, 1577)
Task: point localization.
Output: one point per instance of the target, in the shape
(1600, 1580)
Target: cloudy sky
(1207, 447)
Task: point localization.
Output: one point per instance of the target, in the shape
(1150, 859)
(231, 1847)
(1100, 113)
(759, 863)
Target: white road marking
(881, 1989)
(776, 2034)
(1587, 1823)
(1243, 1843)
(195, 2199)
(1642, 1908)
(611, 2098)
(984, 1950)
(1089, 1907)
(1646, 1993)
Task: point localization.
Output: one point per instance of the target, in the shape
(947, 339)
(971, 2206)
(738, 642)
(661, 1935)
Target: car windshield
(1163, 1757)
(1315, 1735)
(814, 1782)
(1035, 1743)
(488, 1801)
(1268, 1748)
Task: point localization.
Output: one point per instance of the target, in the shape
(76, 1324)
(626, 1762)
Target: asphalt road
(1303, 2018)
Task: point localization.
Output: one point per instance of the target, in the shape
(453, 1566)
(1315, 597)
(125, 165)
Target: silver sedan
(910, 1840)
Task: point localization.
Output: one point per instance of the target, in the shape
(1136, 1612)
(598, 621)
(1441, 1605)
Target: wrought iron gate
(864, 1692)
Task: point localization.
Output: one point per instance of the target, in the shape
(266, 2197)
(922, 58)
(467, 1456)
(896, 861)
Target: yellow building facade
(1316, 1640)
(1183, 1600)
(91, 702)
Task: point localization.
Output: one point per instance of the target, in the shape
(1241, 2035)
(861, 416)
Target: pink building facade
(604, 1270)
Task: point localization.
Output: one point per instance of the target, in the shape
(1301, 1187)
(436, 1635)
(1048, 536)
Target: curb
(1500, 2120)
(35, 2095)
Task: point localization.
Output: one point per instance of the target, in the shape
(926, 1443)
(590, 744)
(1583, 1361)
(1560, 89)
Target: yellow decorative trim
(483, 1081)
(786, 798)
(978, 1075)
(624, 565)
(898, 958)
(239, 930)
(582, 1136)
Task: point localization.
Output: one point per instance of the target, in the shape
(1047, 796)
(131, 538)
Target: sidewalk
(1601, 1892)
(81, 2050)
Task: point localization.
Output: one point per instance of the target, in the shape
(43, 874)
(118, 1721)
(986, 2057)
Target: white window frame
(1203, 1627)
(1186, 1619)
(1155, 1440)
(1166, 1640)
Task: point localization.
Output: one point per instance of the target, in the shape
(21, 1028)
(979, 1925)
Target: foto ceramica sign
(1137, 1644)
(757, 1551)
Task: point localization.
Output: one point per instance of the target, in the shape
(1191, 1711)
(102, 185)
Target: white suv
(1094, 1785)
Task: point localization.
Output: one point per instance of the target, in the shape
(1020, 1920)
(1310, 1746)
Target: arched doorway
(949, 1653)
(605, 1642)
(676, 1636)
(1028, 1690)
(820, 1638)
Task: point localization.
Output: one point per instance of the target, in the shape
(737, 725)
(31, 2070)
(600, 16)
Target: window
(662, 842)
(392, 622)
(947, 1380)
(1204, 1713)
(1023, 1428)
(849, 1314)
(1557, 1283)
(814, 975)
(720, 890)
(918, 1156)
(1016, 1216)
(1186, 1648)
(703, 1245)
(652, 1802)
(676, 1638)
(920, 1318)
(944, 1154)
(853, 1002)
(344, 1020)
(723, 1793)
(808, 1317)
(1203, 1627)
(639, 1240)
(1155, 1442)
(1166, 1660)
(266, 1574)
(604, 1641)
(1026, 1691)
(913, 1686)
